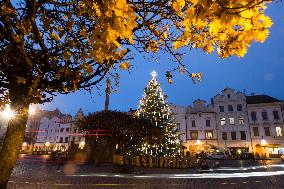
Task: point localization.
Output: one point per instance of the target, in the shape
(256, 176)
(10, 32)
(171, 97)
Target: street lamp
(8, 113)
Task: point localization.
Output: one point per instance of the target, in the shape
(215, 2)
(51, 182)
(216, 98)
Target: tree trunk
(12, 141)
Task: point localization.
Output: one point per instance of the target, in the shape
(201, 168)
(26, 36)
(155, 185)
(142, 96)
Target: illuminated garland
(154, 106)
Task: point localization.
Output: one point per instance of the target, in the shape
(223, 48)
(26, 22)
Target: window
(223, 121)
(232, 121)
(61, 130)
(66, 139)
(264, 116)
(67, 129)
(221, 108)
(228, 95)
(243, 135)
(267, 131)
(61, 139)
(241, 121)
(178, 126)
(234, 135)
(239, 107)
(208, 134)
(207, 123)
(275, 115)
(253, 116)
(230, 108)
(224, 136)
(194, 135)
(193, 123)
(255, 131)
(278, 131)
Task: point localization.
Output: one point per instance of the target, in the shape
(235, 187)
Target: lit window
(223, 121)
(241, 121)
(209, 134)
(232, 121)
(278, 131)
(194, 135)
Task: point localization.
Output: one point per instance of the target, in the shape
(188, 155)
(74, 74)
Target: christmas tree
(154, 106)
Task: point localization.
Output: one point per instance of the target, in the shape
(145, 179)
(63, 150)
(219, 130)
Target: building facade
(198, 126)
(266, 122)
(232, 121)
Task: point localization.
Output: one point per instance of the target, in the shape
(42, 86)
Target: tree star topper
(154, 74)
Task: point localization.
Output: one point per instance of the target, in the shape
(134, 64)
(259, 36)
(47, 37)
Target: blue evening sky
(261, 71)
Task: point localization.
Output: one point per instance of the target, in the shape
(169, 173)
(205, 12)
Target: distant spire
(154, 74)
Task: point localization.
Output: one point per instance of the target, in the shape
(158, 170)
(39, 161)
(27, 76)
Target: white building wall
(275, 138)
(227, 98)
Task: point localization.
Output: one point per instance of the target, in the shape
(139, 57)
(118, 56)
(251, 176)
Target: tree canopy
(49, 47)
(122, 129)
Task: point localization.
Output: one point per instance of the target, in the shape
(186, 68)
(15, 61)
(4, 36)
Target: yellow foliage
(124, 66)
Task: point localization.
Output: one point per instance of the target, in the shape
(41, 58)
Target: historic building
(232, 121)
(198, 126)
(266, 123)
(54, 132)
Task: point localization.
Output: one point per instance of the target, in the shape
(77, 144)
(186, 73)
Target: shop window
(208, 134)
(194, 135)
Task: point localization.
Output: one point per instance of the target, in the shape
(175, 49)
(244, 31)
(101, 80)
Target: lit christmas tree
(154, 106)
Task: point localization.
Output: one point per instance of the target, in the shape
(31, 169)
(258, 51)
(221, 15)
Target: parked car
(282, 157)
(217, 155)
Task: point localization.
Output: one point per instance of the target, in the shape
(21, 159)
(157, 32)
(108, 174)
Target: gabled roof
(259, 99)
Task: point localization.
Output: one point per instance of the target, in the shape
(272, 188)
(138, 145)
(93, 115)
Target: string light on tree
(154, 106)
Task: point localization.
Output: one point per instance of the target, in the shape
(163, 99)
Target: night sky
(261, 71)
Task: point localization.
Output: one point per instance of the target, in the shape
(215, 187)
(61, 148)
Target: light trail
(197, 175)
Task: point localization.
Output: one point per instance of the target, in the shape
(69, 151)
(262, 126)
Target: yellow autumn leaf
(124, 66)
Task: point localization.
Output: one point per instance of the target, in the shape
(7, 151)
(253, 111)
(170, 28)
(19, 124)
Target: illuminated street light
(8, 113)
(198, 142)
(47, 144)
(24, 144)
(263, 142)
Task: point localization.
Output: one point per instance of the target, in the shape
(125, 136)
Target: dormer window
(228, 95)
